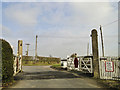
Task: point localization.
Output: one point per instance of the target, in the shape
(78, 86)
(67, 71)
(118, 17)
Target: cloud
(61, 1)
(64, 14)
(63, 28)
(86, 16)
(22, 14)
(5, 31)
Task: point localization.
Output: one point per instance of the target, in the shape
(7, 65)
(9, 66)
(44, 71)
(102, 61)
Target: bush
(0, 61)
(7, 62)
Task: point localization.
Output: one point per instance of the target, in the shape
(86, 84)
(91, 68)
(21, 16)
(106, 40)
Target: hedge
(7, 62)
(0, 61)
(29, 60)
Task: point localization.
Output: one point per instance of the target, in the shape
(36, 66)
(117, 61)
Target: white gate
(84, 64)
(109, 68)
(17, 64)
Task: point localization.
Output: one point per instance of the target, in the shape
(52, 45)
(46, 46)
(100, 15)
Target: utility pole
(27, 48)
(88, 49)
(36, 48)
(102, 41)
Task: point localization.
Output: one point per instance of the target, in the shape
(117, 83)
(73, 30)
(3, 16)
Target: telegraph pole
(36, 48)
(102, 41)
(27, 48)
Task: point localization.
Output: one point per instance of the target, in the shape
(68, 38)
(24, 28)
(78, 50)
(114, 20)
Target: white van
(64, 63)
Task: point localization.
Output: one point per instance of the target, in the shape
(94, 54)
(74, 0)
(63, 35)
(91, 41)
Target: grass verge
(57, 67)
(113, 84)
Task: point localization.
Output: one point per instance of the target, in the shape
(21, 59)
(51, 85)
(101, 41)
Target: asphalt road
(45, 77)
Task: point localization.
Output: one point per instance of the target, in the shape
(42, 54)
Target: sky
(63, 28)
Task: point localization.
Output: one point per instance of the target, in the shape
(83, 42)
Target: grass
(110, 83)
(57, 66)
(37, 64)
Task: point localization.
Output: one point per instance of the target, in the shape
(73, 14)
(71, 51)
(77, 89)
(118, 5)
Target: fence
(109, 68)
(84, 64)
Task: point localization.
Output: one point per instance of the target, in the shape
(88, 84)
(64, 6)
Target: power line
(111, 23)
(32, 50)
(44, 36)
(63, 37)
(72, 37)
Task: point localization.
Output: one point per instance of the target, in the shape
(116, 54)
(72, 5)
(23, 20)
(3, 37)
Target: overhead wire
(111, 23)
(44, 36)
(32, 50)
(68, 37)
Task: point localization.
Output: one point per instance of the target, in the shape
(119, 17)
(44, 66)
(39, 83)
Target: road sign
(109, 67)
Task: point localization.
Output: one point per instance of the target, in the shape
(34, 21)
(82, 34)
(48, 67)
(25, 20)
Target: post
(27, 49)
(102, 41)
(95, 53)
(20, 47)
(36, 48)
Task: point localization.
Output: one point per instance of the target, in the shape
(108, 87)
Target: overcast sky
(63, 28)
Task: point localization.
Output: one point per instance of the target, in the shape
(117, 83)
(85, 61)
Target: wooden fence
(109, 68)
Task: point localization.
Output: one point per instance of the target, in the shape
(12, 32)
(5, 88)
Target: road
(46, 77)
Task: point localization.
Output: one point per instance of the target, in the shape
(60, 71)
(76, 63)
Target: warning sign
(109, 67)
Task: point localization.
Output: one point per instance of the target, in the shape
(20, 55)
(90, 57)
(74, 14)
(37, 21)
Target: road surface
(46, 77)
